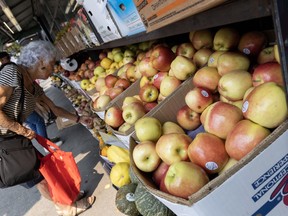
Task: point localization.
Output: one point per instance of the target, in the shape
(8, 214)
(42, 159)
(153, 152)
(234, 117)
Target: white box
(126, 16)
(102, 19)
(256, 186)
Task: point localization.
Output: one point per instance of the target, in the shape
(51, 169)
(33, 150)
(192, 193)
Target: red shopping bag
(61, 172)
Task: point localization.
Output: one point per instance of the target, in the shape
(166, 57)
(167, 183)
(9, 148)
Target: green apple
(118, 57)
(234, 84)
(84, 84)
(173, 147)
(266, 100)
(145, 157)
(99, 70)
(116, 50)
(184, 179)
(93, 79)
(148, 128)
(132, 112)
(170, 127)
(129, 53)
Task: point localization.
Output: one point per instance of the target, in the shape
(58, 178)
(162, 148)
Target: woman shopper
(34, 120)
(36, 61)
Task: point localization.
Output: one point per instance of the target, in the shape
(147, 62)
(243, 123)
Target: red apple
(114, 92)
(201, 57)
(207, 78)
(244, 137)
(110, 80)
(208, 151)
(102, 55)
(130, 73)
(123, 83)
(186, 49)
(220, 118)
(173, 147)
(160, 173)
(161, 58)
(184, 179)
(113, 117)
(150, 106)
(148, 93)
(202, 39)
(146, 68)
(198, 99)
(187, 118)
(268, 72)
(168, 85)
(145, 157)
(230, 61)
(162, 186)
(266, 55)
(157, 79)
(132, 112)
(226, 39)
(251, 43)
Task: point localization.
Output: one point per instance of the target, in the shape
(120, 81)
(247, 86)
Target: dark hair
(4, 54)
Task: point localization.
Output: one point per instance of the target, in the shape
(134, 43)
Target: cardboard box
(249, 186)
(102, 20)
(64, 123)
(156, 14)
(85, 26)
(76, 34)
(246, 187)
(126, 16)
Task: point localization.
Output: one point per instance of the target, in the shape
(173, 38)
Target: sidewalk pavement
(19, 201)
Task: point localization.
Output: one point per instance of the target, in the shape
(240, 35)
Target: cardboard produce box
(254, 186)
(156, 14)
(245, 189)
(102, 20)
(126, 16)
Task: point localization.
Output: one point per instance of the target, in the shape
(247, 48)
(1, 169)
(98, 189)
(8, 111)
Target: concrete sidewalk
(18, 201)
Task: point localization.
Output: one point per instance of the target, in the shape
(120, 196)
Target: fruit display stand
(257, 179)
(237, 183)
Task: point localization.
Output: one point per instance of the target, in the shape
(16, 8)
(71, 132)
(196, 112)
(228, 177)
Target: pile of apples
(237, 99)
(161, 72)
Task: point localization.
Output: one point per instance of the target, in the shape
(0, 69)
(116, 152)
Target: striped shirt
(11, 76)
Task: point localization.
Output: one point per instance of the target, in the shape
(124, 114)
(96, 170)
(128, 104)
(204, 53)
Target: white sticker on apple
(211, 60)
(246, 51)
(211, 165)
(130, 197)
(204, 93)
(245, 106)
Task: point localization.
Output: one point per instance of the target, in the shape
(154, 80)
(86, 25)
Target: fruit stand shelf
(224, 14)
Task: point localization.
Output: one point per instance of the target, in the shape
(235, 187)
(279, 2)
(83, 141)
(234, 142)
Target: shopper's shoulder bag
(61, 173)
(18, 157)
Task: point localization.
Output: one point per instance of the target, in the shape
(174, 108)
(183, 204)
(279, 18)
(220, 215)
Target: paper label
(211, 165)
(245, 106)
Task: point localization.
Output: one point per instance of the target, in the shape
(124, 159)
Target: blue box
(126, 16)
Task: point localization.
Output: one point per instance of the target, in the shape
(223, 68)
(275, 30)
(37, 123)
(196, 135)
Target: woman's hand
(30, 134)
